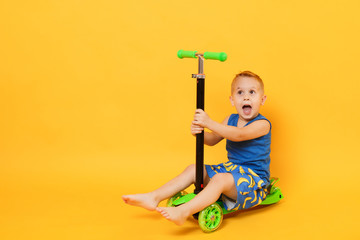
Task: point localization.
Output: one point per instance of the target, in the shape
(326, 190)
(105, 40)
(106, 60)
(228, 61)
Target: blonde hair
(247, 74)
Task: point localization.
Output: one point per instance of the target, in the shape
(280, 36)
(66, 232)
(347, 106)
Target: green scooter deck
(273, 197)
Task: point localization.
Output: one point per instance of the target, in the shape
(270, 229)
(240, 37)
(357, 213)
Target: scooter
(210, 218)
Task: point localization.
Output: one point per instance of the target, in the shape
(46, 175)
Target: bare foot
(174, 214)
(145, 200)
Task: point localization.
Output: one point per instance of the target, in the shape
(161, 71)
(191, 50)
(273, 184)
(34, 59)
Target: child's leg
(220, 183)
(151, 200)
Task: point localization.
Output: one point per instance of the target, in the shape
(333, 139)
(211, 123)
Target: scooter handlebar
(186, 54)
(221, 56)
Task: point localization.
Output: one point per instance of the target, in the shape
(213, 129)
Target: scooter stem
(200, 100)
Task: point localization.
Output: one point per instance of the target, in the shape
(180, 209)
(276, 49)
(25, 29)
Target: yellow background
(95, 104)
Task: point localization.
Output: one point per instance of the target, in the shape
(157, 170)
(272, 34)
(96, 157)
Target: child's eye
(240, 92)
(252, 92)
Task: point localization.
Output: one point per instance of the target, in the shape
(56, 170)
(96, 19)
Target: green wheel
(171, 200)
(210, 218)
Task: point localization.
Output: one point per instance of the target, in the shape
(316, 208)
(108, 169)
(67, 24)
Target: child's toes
(163, 212)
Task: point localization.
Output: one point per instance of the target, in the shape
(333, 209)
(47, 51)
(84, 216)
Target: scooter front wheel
(170, 202)
(210, 218)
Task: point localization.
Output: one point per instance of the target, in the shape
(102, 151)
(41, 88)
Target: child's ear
(231, 100)
(263, 99)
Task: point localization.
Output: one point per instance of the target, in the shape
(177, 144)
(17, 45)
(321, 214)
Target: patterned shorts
(251, 189)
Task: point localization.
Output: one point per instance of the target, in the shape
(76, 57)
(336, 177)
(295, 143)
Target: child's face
(247, 97)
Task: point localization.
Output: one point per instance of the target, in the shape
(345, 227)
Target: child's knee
(190, 171)
(225, 179)
(190, 168)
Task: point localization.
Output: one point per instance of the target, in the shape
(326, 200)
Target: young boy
(242, 181)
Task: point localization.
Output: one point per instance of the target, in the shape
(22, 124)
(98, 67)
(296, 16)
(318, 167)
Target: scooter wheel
(210, 218)
(170, 201)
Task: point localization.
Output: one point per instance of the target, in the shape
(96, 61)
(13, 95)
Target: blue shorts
(251, 189)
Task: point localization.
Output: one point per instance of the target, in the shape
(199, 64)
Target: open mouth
(247, 109)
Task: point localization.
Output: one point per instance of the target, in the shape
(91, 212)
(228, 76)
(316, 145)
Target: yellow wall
(94, 103)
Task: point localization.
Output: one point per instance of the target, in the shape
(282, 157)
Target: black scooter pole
(200, 102)
(200, 99)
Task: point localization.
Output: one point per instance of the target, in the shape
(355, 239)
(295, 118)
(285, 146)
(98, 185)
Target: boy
(241, 181)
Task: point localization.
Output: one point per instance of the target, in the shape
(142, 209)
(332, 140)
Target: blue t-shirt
(254, 153)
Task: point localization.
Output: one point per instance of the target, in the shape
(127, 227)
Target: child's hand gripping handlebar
(221, 56)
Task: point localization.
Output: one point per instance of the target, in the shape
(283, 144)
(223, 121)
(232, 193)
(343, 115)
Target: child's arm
(254, 130)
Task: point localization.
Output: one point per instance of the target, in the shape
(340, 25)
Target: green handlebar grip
(216, 56)
(186, 54)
